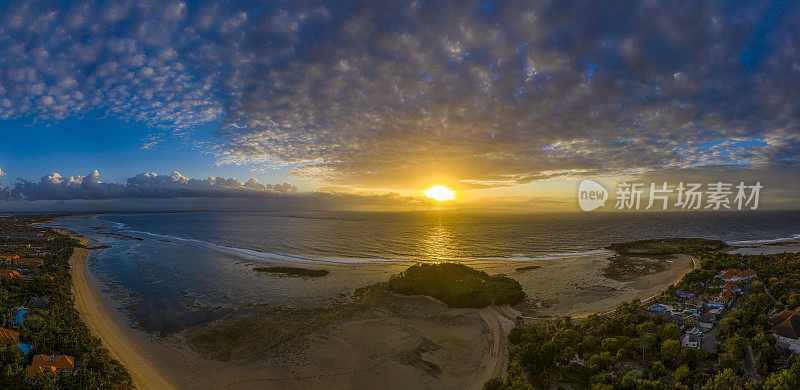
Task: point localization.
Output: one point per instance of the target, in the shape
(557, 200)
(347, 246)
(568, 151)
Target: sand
(414, 342)
(99, 319)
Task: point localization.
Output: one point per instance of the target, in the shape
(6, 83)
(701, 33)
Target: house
(27, 262)
(690, 340)
(786, 329)
(735, 275)
(8, 274)
(729, 275)
(61, 363)
(731, 286)
(34, 374)
(706, 320)
(8, 336)
(722, 298)
(697, 302)
(747, 274)
(8, 257)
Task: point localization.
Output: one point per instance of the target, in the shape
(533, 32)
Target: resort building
(786, 329)
(61, 363)
(8, 257)
(731, 286)
(8, 336)
(735, 275)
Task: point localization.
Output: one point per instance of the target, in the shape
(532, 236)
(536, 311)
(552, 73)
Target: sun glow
(440, 194)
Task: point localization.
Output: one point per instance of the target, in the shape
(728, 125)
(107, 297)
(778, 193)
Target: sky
(107, 104)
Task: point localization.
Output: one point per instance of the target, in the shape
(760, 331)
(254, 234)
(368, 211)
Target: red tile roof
(60, 362)
(787, 324)
(8, 335)
(746, 273)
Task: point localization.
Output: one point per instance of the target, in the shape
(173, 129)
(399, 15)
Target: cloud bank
(400, 93)
(144, 185)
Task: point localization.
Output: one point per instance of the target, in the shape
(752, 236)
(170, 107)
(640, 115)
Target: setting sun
(440, 194)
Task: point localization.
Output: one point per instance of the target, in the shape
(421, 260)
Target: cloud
(2, 173)
(144, 185)
(397, 94)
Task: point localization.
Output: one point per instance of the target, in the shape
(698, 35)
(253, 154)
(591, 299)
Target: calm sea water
(174, 270)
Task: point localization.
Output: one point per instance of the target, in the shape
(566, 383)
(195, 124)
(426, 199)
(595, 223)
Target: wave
(115, 224)
(358, 260)
(795, 237)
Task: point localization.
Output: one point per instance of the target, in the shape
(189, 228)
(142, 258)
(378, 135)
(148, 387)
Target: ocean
(170, 271)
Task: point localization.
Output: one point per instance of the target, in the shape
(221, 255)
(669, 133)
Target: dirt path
(90, 306)
(495, 359)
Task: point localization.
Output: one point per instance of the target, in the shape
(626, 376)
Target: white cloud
(144, 185)
(394, 94)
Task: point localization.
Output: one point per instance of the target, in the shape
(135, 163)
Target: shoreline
(171, 363)
(99, 318)
(652, 285)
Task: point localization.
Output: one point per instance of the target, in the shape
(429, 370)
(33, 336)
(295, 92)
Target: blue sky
(113, 146)
(489, 97)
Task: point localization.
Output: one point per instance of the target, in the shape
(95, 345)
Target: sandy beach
(408, 342)
(100, 321)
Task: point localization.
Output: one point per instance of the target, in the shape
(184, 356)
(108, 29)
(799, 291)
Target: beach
(100, 320)
(404, 342)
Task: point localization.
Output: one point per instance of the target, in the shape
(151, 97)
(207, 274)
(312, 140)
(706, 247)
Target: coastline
(99, 318)
(646, 287)
(165, 363)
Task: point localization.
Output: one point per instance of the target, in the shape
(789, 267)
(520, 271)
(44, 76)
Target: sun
(440, 194)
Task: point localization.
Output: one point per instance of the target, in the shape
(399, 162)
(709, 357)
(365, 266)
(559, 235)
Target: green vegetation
(293, 272)
(457, 285)
(625, 268)
(636, 349)
(667, 246)
(52, 324)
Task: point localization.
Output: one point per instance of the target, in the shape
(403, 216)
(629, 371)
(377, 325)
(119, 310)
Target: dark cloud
(144, 185)
(398, 93)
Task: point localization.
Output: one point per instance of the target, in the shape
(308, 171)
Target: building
(731, 286)
(786, 329)
(735, 275)
(690, 340)
(8, 257)
(60, 362)
(8, 336)
(8, 274)
(706, 320)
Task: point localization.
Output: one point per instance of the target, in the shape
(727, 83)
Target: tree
(724, 380)
(671, 350)
(683, 375)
